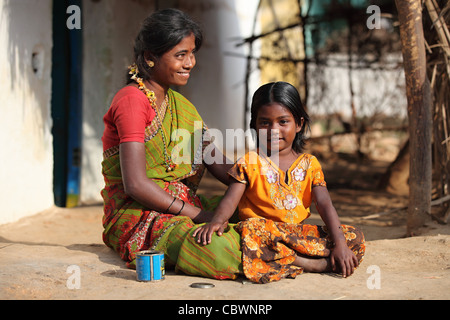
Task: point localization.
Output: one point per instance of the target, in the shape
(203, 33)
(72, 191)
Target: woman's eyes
(181, 55)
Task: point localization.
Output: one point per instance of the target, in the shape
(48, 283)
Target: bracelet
(182, 206)
(167, 210)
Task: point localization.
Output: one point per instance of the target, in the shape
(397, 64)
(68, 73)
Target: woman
(149, 195)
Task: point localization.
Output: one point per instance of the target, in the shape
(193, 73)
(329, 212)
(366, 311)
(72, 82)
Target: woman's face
(174, 66)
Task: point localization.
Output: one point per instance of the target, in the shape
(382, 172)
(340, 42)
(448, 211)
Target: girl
(273, 188)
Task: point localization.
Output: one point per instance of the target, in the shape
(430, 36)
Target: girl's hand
(343, 259)
(206, 231)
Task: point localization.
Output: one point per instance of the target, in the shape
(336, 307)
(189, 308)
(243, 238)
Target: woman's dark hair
(287, 95)
(160, 32)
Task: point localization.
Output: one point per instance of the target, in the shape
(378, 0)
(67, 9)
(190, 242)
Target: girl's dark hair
(287, 95)
(160, 32)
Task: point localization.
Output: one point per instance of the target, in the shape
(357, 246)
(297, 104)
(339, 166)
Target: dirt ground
(59, 254)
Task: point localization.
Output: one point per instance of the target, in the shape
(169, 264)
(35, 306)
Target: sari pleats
(221, 259)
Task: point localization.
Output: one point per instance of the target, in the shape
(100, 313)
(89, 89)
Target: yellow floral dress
(274, 194)
(271, 215)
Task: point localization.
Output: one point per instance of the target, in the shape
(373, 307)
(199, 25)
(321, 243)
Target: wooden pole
(419, 113)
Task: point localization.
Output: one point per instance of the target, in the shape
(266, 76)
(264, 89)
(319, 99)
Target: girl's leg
(313, 264)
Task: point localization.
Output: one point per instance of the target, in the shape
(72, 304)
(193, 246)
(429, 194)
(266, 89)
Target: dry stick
(380, 214)
(441, 29)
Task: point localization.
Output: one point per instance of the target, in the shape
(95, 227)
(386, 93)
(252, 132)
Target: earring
(151, 64)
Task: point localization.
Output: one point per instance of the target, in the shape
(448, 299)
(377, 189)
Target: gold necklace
(170, 166)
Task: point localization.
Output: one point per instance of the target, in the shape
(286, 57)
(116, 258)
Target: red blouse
(128, 116)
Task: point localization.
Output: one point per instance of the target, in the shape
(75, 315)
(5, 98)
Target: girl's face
(276, 127)
(174, 66)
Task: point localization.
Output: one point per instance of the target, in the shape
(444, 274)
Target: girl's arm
(341, 256)
(145, 191)
(224, 211)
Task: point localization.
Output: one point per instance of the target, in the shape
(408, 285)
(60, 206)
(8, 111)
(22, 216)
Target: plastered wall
(26, 169)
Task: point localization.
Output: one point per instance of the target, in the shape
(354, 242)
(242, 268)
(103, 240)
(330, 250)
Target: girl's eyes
(267, 123)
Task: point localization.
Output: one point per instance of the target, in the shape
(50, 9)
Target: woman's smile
(184, 74)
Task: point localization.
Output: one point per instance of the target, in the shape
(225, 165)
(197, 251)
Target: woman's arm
(224, 211)
(341, 255)
(220, 167)
(147, 192)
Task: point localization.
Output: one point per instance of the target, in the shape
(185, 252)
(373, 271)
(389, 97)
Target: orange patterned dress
(274, 194)
(272, 212)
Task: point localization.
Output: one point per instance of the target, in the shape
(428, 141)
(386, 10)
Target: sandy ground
(35, 254)
(43, 257)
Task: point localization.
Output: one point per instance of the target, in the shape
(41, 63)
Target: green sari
(130, 227)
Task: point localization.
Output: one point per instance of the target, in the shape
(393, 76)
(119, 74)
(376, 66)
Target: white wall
(109, 30)
(26, 171)
(217, 84)
(376, 91)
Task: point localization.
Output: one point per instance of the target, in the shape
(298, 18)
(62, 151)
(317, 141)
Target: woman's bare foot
(313, 264)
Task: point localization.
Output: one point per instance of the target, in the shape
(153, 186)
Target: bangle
(167, 210)
(182, 206)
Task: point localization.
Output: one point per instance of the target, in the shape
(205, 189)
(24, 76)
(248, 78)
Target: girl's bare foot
(313, 264)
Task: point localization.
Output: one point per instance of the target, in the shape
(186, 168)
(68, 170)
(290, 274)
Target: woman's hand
(343, 259)
(206, 231)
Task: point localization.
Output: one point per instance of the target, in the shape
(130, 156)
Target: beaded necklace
(170, 166)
